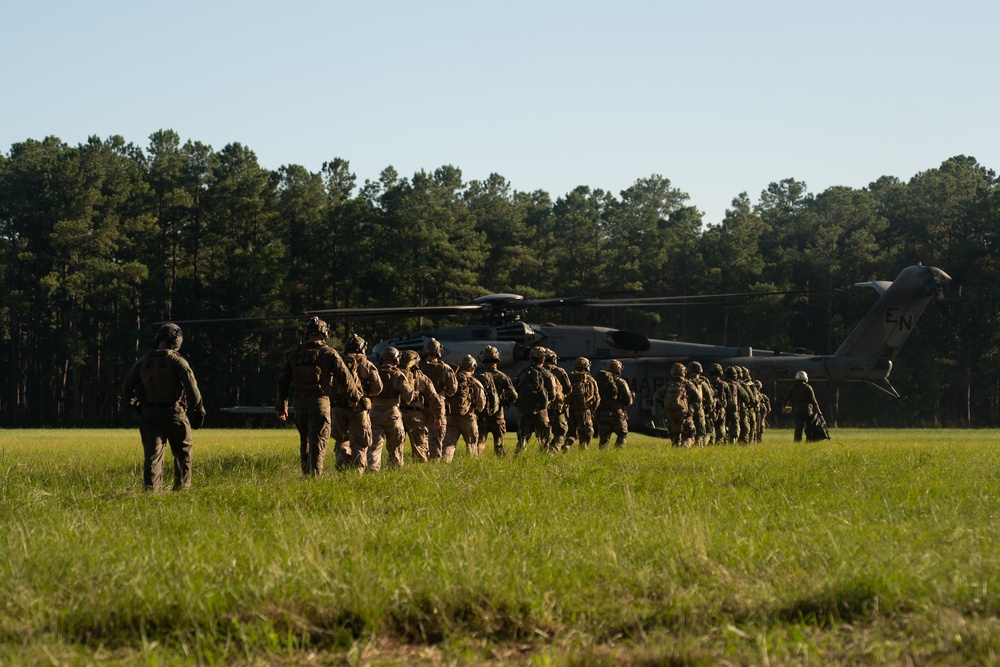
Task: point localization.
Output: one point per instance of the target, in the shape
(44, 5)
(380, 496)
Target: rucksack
(558, 396)
(462, 398)
(582, 394)
(607, 387)
(675, 399)
(532, 395)
(488, 381)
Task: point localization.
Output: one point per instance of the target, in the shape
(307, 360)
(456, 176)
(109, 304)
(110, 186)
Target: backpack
(675, 399)
(532, 395)
(558, 396)
(488, 381)
(607, 387)
(583, 392)
(462, 398)
(307, 375)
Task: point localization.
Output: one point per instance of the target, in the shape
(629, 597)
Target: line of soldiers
(727, 406)
(368, 410)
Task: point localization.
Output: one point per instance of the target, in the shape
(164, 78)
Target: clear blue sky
(719, 97)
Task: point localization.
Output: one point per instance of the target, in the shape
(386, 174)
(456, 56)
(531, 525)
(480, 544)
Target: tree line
(104, 239)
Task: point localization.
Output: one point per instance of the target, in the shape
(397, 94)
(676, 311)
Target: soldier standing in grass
(558, 407)
(615, 398)
(387, 422)
(161, 386)
(462, 406)
(583, 403)
(426, 408)
(443, 378)
(311, 373)
(351, 426)
(492, 419)
(532, 386)
(801, 402)
(723, 397)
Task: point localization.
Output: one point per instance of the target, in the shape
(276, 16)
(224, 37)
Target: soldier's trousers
(312, 419)
(559, 428)
(415, 425)
(435, 438)
(158, 427)
(531, 423)
(351, 432)
(495, 425)
(581, 427)
(466, 426)
(387, 431)
(682, 428)
(612, 422)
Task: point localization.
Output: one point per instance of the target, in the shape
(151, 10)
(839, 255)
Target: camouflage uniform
(462, 406)
(703, 429)
(310, 373)
(611, 416)
(351, 427)
(749, 423)
(162, 386)
(443, 378)
(723, 393)
(426, 408)
(496, 423)
(680, 419)
(763, 410)
(387, 422)
(733, 413)
(558, 408)
(583, 403)
(532, 386)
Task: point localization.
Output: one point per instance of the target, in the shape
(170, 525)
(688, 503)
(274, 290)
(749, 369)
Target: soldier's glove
(197, 419)
(136, 406)
(787, 409)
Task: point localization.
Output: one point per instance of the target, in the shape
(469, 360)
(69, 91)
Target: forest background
(101, 240)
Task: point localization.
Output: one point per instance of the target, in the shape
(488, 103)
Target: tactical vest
(160, 382)
(307, 374)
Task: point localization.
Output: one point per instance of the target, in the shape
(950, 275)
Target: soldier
(734, 422)
(352, 427)
(310, 374)
(443, 378)
(462, 406)
(753, 401)
(615, 397)
(426, 408)
(558, 407)
(801, 402)
(763, 410)
(162, 388)
(387, 422)
(500, 393)
(723, 394)
(704, 431)
(679, 399)
(533, 386)
(583, 402)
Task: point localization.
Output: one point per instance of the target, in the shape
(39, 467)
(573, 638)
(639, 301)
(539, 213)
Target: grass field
(875, 547)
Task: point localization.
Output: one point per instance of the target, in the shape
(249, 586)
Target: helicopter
(866, 355)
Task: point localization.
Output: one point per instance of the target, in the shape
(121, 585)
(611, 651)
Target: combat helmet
(678, 370)
(581, 364)
(694, 368)
(355, 345)
(537, 353)
(715, 369)
(432, 347)
(389, 355)
(169, 333)
(489, 354)
(316, 325)
(551, 357)
(614, 366)
(409, 358)
(730, 372)
(468, 363)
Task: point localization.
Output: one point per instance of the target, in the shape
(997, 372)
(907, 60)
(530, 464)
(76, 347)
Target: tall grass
(875, 546)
